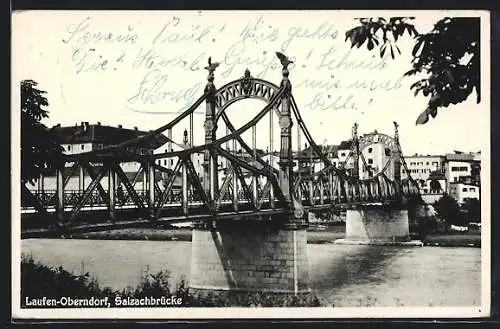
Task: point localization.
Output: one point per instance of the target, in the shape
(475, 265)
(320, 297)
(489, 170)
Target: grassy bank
(315, 235)
(39, 281)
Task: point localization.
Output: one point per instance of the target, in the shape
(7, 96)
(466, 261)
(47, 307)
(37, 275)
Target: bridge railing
(47, 198)
(333, 190)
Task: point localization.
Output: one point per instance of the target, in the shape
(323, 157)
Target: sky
(141, 69)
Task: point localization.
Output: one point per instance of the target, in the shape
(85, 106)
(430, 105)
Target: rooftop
(308, 152)
(463, 156)
(417, 155)
(109, 135)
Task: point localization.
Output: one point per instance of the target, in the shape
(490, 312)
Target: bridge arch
(245, 88)
(376, 137)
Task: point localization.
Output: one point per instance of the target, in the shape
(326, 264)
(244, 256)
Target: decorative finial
(396, 131)
(284, 60)
(246, 82)
(186, 142)
(211, 66)
(285, 82)
(210, 87)
(355, 130)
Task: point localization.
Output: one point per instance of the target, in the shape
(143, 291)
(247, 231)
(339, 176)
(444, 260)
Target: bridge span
(249, 222)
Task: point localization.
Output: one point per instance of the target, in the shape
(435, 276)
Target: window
(425, 190)
(342, 154)
(83, 146)
(370, 161)
(69, 147)
(164, 162)
(464, 189)
(387, 151)
(427, 163)
(472, 189)
(370, 150)
(99, 146)
(463, 168)
(172, 162)
(455, 168)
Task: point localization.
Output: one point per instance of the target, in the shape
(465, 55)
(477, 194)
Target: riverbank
(318, 234)
(184, 234)
(453, 240)
(154, 289)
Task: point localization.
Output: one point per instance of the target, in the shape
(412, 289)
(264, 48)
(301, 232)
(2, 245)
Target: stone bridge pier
(250, 255)
(373, 224)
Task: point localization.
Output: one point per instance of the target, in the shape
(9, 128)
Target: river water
(342, 275)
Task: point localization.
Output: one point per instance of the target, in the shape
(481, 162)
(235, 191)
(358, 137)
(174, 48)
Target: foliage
(449, 209)
(435, 186)
(40, 149)
(372, 30)
(422, 220)
(472, 208)
(38, 281)
(448, 56)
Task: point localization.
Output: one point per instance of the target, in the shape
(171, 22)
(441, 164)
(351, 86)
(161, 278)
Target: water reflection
(350, 265)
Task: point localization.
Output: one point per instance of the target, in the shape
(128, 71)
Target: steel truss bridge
(282, 194)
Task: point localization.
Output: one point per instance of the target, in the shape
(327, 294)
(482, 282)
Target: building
(374, 157)
(171, 163)
(420, 168)
(463, 172)
(457, 174)
(461, 192)
(461, 167)
(85, 137)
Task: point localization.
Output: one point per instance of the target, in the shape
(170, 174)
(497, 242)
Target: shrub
(38, 280)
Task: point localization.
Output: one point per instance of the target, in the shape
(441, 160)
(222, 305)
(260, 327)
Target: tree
(40, 148)
(448, 57)
(435, 186)
(449, 209)
(473, 209)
